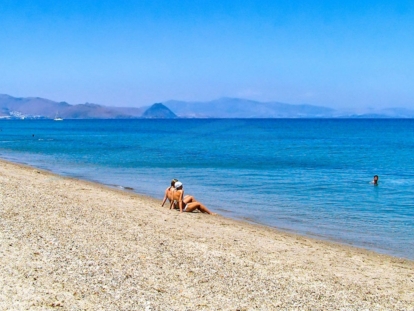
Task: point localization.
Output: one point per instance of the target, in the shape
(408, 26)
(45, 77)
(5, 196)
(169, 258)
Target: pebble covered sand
(67, 244)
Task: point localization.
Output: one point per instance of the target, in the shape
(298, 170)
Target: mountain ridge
(42, 108)
(225, 107)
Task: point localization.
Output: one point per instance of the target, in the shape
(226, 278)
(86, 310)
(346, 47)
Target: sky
(338, 54)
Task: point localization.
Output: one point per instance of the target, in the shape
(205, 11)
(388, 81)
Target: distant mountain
(94, 111)
(158, 111)
(372, 113)
(35, 107)
(243, 108)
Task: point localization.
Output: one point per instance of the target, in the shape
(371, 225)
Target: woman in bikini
(187, 204)
(169, 192)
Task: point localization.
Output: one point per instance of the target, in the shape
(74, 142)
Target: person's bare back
(169, 192)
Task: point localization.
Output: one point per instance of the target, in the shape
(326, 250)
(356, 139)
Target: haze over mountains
(243, 108)
(40, 108)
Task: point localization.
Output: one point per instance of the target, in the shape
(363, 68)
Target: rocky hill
(158, 111)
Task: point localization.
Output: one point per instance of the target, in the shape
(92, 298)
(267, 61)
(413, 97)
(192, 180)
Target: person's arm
(165, 197)
(181, 201)
(172, 199)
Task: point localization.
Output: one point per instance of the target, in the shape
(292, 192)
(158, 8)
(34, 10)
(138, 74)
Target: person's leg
(188, 199)
(197, 205)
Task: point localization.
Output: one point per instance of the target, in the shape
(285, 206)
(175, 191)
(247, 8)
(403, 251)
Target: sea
(307, 176)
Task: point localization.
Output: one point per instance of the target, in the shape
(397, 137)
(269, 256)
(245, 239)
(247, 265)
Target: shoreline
(228, 213)
(77, 244)
(245, 220)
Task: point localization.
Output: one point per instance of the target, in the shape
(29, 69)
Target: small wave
(223, 210)
(399, 182)
(124, 187)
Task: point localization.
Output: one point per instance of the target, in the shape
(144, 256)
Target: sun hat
(178, 184)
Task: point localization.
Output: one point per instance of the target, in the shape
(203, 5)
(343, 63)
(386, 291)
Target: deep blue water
(307, 176)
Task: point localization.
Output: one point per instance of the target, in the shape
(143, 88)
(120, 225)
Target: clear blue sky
(134, 53)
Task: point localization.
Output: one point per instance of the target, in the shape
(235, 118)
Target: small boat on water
(57, 118)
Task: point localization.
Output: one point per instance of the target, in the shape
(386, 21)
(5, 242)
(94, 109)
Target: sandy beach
(68, 244)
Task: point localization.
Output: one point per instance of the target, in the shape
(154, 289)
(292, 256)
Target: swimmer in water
(375, 180)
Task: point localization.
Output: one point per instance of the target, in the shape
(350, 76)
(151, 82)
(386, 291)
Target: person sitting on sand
(178, 197)
(168, 195)
(169, 192)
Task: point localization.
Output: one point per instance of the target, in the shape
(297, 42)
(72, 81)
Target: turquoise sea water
(307, 176)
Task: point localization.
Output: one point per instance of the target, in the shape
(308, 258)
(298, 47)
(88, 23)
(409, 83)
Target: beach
(70, 244)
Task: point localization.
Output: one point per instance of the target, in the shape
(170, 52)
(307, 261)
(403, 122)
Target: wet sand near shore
(68, 244)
